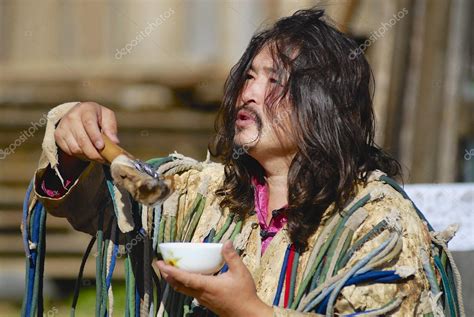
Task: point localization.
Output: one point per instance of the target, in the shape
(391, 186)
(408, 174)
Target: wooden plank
(25, 154)
(381, 60)
(452, 100)
(14, 142)
(63, 268)
(165, 72)
(68, 243)
(15, 170)
(174, 120)
(11, 219)
(11, 195)
(412, 86)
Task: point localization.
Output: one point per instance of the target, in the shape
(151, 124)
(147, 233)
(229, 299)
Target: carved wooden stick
(112, 150)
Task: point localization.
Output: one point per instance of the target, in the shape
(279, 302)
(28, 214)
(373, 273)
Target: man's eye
(275, 81)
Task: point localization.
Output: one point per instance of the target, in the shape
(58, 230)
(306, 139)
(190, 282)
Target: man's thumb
(230, 256)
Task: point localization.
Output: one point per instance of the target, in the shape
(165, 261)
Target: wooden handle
(112, 150)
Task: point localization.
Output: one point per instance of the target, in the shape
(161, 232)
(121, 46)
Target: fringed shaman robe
(378, 255)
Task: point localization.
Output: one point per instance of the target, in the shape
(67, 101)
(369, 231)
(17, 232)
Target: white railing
(445, 204)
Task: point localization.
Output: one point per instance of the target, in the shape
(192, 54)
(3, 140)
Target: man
(303, 192)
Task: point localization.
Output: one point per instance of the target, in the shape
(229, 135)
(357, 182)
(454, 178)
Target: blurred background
(161, 66)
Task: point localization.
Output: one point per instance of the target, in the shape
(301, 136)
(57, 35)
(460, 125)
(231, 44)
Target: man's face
(255, 130)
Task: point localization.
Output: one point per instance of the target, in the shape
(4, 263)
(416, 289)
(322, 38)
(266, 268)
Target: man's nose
(254, 92)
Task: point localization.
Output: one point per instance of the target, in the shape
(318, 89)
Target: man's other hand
(232, 293)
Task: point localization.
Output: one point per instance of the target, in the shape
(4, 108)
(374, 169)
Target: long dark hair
(329, 86)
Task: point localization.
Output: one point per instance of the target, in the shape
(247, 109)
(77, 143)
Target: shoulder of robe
(389, 201)
(381, 198)
(191, 176)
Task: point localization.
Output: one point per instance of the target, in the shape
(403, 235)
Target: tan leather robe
(89, 194)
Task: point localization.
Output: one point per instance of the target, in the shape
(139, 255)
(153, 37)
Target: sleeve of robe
(85, 197)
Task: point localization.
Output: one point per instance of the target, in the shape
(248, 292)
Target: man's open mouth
(244, 118)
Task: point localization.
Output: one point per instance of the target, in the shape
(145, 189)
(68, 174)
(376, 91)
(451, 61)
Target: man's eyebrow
(267, 69)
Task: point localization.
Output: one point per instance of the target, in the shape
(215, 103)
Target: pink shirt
(278, 220)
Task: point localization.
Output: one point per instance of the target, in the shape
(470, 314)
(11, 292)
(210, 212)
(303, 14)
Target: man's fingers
(233, 260)
(181, 288)
(91, 126)
(85, 143)
(188, 280)
(158, 272)
(185, 288)
(109, 124)
(71, 142)
(61, 142)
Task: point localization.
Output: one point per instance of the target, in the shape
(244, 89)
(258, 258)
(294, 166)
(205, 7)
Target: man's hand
(232, 293)
(79, 131)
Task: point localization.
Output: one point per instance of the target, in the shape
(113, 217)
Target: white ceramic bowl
(204, 258)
